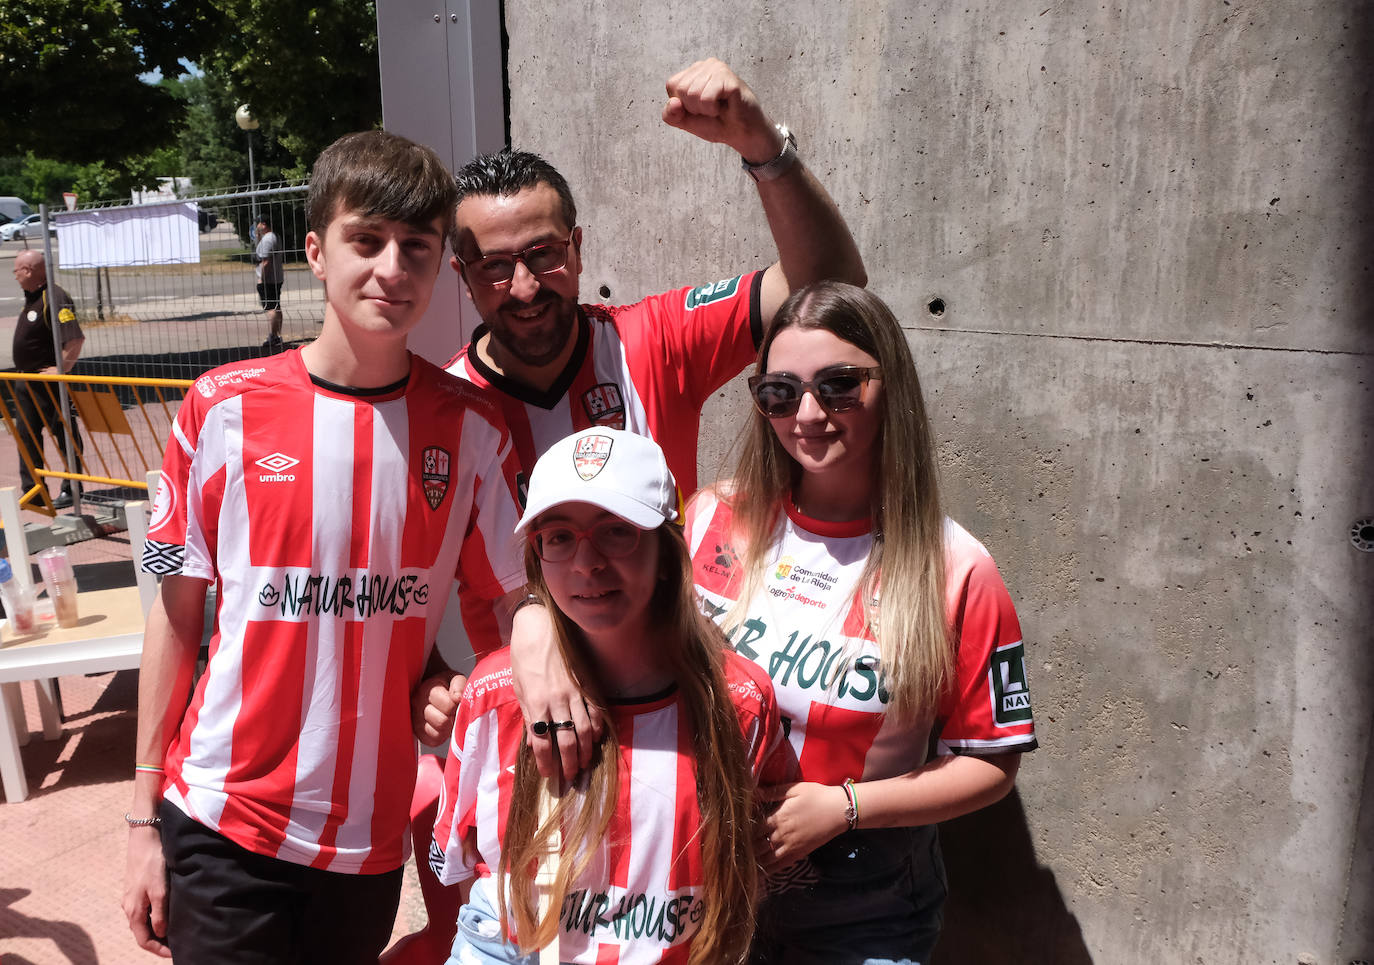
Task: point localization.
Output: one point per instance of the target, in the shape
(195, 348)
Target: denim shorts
(478, 941)
(873, 897)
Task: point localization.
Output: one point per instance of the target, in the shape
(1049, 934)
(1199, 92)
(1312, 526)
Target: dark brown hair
(380, 175)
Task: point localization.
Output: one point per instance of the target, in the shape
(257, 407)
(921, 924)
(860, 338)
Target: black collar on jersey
(666, 692)
(350, 390)
(523, 392)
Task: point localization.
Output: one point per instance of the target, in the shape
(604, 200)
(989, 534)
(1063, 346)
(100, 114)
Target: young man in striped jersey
(558, 366)
(332, 495)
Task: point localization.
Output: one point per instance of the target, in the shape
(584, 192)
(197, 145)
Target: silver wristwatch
(787, 157)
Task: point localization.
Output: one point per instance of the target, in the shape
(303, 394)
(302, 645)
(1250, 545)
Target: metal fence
(122, 425)
(151, 320)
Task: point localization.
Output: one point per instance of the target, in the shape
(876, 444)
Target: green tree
(308, 70)
(69, 74)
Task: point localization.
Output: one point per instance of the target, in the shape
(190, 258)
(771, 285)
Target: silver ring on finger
(542, 728)
(562, 725)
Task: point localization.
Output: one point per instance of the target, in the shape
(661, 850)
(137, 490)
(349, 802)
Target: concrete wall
(1148, 226)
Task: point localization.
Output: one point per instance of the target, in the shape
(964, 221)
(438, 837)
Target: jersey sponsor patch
(590, 456)
(711, 292)
(604, 405)
(208, 383)
(1010, 692)
(434, 474)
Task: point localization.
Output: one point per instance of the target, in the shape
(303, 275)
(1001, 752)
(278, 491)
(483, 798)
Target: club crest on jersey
(604, 405)
(590, 455)
(434, 474)
(1010, 693)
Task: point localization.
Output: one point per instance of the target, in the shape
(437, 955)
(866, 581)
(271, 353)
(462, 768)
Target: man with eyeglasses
(558, 366)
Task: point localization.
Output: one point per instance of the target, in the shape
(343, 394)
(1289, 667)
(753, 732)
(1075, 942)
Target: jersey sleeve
(771, 757)
(452, 850)
(703, 336)
(182, 531)
(989, 710)
(486, 735)
(68, 327)
(490, 563)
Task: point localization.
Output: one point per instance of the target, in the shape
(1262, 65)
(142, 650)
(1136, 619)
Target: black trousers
(229, 906)
(35, 404)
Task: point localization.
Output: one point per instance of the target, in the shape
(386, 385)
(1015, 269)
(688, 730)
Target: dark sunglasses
(498, 269)
(558, 542)
(837, 389)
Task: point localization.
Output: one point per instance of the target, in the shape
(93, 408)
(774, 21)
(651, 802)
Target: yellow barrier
(122, 451)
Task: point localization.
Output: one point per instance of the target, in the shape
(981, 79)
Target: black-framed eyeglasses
(498, 269)
(837, 389)
(558, 542)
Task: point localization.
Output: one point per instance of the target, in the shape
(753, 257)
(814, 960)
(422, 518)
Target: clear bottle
(18, 600)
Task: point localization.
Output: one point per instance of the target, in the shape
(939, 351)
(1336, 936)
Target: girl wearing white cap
(885, 627)
(655, 843)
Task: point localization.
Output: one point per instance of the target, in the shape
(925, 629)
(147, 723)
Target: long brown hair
(909, 620)
(692, 648)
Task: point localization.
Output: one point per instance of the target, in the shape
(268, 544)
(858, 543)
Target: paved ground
(62, 857)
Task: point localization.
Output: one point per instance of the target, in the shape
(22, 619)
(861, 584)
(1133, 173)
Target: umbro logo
(276, 466)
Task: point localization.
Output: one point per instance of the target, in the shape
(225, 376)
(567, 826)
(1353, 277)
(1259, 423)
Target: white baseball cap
(621, 472)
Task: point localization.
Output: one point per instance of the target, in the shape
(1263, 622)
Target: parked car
(30, 227)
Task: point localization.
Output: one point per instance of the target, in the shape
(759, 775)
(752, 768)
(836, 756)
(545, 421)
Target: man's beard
(540, 347)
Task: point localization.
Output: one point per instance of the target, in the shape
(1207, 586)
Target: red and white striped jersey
(333, 523)
(638, 900)
(805, 627)
(646, 368)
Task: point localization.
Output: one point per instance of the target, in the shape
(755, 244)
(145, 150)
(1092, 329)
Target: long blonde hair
(908, 618)
(692, 648)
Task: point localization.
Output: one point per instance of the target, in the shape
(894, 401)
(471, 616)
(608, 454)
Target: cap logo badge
(590, 455)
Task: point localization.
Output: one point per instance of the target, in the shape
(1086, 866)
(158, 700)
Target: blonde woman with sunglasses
(889, 636)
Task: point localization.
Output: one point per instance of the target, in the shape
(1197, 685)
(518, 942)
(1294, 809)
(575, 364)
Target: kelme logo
(1010, 693)
(705, 294)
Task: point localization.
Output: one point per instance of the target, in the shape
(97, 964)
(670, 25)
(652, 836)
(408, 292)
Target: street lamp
(248, 124)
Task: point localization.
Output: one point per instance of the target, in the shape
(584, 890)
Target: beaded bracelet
(851, 812)
(133, 822)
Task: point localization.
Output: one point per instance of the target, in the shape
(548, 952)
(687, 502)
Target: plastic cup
(60, 580)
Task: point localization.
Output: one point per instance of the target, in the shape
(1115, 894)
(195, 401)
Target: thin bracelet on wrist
(851, 811)
(133, 822)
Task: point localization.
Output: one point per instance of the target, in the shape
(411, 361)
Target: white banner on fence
(145, 234)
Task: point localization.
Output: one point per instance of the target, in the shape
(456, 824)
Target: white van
(15, 209)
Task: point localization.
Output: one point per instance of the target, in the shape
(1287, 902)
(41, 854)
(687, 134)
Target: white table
(109, 636)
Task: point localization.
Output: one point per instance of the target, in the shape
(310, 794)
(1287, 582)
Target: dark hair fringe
(380, 175)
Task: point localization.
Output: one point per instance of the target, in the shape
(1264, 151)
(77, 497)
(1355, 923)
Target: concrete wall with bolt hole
(1132, 246)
